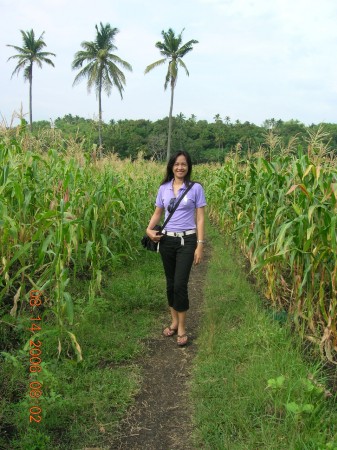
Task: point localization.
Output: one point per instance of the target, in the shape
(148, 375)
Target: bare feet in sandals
(182, 339)
(169, 331)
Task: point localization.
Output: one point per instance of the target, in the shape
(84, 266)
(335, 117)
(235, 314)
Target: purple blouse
(183, 218)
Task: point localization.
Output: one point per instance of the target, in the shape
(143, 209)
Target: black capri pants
(177, 261)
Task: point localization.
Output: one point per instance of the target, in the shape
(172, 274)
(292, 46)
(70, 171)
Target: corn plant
(61, 216)
(283, 212)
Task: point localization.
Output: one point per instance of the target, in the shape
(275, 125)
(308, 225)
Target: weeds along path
(161, 417)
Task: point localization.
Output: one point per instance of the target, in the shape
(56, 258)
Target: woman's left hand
(198, 254)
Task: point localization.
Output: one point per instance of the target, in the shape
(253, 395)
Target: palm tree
(173, 52)
(193, 119)
(217, 118)
(101, 66)
(29, 54)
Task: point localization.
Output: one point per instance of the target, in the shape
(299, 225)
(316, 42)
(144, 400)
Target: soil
(161, 416)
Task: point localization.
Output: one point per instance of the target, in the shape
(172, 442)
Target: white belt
(180, 234)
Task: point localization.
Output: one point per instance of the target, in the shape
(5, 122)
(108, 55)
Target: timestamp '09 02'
(35, 352)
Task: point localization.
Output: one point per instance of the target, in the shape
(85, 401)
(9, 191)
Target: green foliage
(70, 225)
(127, 138)
(275, 383)
(62, 219)
(85, 400)
(251, 387)
(281, 207)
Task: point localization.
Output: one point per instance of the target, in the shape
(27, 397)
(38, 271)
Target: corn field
(63, 216)
(281, 204)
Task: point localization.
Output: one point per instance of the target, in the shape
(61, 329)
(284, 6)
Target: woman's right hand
(154, 235)
(155, 219)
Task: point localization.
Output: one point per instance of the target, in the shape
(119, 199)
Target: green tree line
(206, 141)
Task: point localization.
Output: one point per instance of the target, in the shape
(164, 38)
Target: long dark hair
(169, 168)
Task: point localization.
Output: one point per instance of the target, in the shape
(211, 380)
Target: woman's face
(180, 168)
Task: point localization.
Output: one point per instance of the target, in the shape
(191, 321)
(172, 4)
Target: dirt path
(160, 419)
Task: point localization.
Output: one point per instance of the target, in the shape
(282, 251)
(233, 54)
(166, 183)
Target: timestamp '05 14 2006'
(35, 352)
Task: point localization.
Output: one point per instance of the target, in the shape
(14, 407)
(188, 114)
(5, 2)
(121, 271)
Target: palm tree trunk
(168, 154)
(100, 118)
(31, 97)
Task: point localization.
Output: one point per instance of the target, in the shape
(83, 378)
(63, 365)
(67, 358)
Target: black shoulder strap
(177, 204)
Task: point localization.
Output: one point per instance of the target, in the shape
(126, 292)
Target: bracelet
(200, 242)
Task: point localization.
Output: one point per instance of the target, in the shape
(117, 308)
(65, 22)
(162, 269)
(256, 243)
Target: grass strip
(251, 387)
(83, 402)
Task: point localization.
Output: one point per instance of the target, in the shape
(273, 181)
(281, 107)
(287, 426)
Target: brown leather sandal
(184, 342)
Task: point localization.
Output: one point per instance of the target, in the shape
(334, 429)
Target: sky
(255, 59)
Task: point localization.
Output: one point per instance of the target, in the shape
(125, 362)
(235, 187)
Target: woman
(181, 242)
